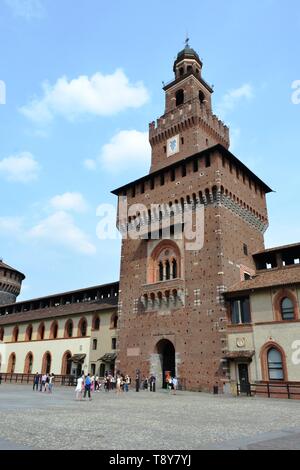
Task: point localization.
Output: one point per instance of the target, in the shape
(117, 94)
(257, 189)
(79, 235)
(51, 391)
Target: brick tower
(10, 284)
(172, 317)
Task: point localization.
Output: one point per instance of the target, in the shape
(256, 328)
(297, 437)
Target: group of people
(43, 382)
(87, 384)
(149, 384)
(92, 383)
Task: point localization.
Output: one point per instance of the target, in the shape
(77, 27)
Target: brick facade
(204, 173)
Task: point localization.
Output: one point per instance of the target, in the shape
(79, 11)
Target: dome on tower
(187, 54)
(10, 284)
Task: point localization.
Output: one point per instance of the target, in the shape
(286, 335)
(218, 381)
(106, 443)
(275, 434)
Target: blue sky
(84, 79)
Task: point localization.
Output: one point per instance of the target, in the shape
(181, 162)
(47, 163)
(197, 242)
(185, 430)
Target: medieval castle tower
(10, 284)
(171, 310)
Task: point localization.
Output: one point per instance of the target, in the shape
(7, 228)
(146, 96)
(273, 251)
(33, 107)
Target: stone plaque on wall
(133, 352)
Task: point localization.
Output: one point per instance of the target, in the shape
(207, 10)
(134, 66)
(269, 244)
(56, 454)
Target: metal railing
(62, 380)
(290, 390)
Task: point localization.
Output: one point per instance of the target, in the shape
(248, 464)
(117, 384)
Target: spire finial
(187, 40)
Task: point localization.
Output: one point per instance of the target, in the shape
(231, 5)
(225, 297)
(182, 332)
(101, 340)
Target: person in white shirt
(175, 385)
(79, 387)
(43, 382)
(51, 383)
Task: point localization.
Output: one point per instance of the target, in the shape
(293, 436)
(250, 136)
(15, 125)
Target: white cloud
(90, 164)
(10, 225)
(27, 9)
(69, 201)
(231, 99)
(99, 95)
(125, 149)
(21, 168)
(60, 229)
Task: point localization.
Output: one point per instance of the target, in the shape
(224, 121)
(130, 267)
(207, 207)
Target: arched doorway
(28, 363)
(166, 363)
(46, 365)
(11, 363)
(66, 363)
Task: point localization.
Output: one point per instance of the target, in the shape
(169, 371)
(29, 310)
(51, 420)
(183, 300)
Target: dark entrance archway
(166, 351)
(46, 364)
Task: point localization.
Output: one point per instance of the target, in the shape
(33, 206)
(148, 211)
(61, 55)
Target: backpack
(88, 381)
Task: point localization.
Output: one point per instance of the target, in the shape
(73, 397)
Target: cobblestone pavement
(144, 420)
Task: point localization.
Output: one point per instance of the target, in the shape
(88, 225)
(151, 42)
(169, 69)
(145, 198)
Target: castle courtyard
(141, 421)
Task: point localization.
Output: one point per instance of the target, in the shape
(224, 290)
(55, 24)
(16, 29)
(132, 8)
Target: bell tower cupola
(188, 125)
(187, 61)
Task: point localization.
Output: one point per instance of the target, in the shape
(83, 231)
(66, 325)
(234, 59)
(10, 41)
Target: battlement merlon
(192, 113)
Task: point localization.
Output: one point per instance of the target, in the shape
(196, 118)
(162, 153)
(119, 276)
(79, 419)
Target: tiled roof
(60, 311)
(86, 290)
(272, 278)
(210, 150)
(278, 248)
(239, 354)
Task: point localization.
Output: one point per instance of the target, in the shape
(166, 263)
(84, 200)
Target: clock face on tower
(173, 146)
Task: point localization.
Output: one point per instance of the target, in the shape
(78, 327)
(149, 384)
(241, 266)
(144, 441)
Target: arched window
(168, 270)
(114, 322)
(41, 332)
(68, 329)
(46, 364)
(164, 263)
(15, 334)
(28, 363)
(54, 330)
(201, 96)
(96, 323)
(275, 365)
(28, 336)
(189, 68)
(95, 344)
(66, 363)
(161, 271)
(11, 364)
(174, 269)
(179, 97)
(287, 309)
(1, 334)
(181, 71)
(82, 328)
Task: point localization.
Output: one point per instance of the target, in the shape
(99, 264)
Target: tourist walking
(152, 383)
(79, 388)
(47, 381)
(92, 383)
(87, 387)
(97, 385)
(36, 381)
(51, 383)
(137, 381)
(127, 383)
(112, 382)
(118, 384)
(106, 384)
(146, 384)
(170, 384)
(175, 385)
(43, 382)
